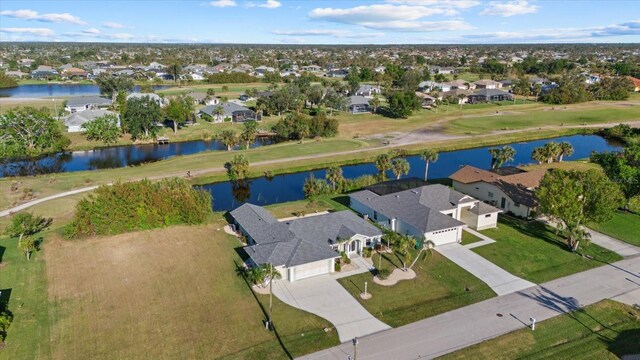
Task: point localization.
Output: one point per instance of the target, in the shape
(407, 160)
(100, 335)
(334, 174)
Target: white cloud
(223, 3)
(588, 34)
(511, 8)
(91, 31)
(269, 4)
(51, 17)
(98, 35)
(112, 25)
(419, 26)
(44, 32)
(460, 4)
(327, 32)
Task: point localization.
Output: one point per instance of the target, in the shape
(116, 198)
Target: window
(488, 216)
(516, 204)
(375, 215)
(477, 188)
(490, 194)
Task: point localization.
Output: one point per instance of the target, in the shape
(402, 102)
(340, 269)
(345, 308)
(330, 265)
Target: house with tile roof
(510, 189)
(303, 247)
(433, 213)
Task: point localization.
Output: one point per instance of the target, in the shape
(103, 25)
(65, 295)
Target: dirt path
(421, 136)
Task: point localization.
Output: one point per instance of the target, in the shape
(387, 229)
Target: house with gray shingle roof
(232, 112)
(302, 247)
(433, 213)
(74, 121)
(81, 103)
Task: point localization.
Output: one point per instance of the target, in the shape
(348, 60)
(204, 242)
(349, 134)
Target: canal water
(288, 187)
(58, 90)
(112, 157)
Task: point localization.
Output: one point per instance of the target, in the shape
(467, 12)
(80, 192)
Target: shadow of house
(2, 250)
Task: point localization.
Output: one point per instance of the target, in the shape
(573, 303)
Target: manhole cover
(499, 315)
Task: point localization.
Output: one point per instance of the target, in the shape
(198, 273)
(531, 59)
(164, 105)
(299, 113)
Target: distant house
(155, 97)
(444, 70)
(433, 213)
(203, 99)
(428, 86)
(44, 71)
(337, 73)
(459, 96)
(74, 121)
(16, 74)
(232, 112)
(539, 81)
(427, 100)
(487, 84)
(304, 247)
(489, 95)
(367, 90)
(81, 103)
(358, 105)
(311, 68)
(635, 82)
(506, 83)
(591, 79)
(509, 188)
(73, 72)
(460, 84)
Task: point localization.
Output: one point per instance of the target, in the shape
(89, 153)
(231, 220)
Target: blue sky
(322, 22)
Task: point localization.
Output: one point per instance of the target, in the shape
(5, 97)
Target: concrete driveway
(500, 281)
(324, 296)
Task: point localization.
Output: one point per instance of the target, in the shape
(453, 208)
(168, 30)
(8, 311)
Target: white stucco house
(509, 189)
(75, 120)
(433, 213)
(303, 247)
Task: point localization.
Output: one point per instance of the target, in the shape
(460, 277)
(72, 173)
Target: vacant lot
(606, 330)
(165, 294)
(623, 226)
(533, 251)
(440, 286)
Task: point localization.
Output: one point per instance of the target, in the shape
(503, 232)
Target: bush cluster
(139, 205)
(299, 126)
(231, 78)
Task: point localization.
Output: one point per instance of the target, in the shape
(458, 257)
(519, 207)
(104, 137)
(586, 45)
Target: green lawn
(533, 251)
(167, 293)
(623, 226)
(440, 286)
(605, 330)
(469, 238)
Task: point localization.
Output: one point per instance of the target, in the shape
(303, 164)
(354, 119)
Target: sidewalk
(620, 247)
(445, 333)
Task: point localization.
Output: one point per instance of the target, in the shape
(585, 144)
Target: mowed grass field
(162, 294)
(533, 251)
(440, 286)
(623, 226)
(605, 330)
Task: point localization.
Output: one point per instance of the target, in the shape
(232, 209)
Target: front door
(353, 246)
(503, 203)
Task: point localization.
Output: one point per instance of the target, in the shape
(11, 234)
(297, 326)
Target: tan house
(487, 84)
(636, 83)
(510, 189)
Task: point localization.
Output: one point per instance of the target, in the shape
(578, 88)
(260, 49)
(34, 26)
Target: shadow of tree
(626, 343)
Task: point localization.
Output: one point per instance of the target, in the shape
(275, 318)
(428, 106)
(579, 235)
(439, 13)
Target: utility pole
(355, 348)
(270, 294)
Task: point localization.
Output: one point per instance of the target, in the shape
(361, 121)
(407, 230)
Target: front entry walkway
(500, 281)
(324, 296)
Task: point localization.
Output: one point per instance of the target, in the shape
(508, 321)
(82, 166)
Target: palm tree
(404, 244)
(428, 155)
(272, 274)
(249, 132)
(375, 102)
(174, 70)
(228, 138)
(539, 155)
(565, 149)
(218, 112)
(461, 99)
(499, 156)
(334, 176)
(400, 167)
(383, 164)
(255, 274)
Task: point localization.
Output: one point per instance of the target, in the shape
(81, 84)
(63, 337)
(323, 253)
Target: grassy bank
(605, 330)
(533, 251)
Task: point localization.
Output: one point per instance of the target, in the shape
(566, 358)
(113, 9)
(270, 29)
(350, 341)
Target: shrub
(337, 267)
(634, 204)
(344, 258)
(367, 252)
(139, 205)
(5, 320)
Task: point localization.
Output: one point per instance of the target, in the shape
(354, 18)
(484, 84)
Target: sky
(322, 21)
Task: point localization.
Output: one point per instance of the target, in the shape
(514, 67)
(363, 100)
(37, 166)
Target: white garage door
(311, 269)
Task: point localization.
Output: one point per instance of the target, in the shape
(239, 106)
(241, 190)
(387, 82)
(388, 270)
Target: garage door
(311, 269)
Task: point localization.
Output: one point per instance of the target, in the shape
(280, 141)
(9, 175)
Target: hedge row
(139, 205)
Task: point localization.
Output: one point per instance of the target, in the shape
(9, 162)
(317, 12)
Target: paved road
(500, 281)
(324, 296)
(466, 326)
(38, 201)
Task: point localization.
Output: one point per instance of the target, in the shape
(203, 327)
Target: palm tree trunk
(426, 170)
(175, 127)
(416, 259)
